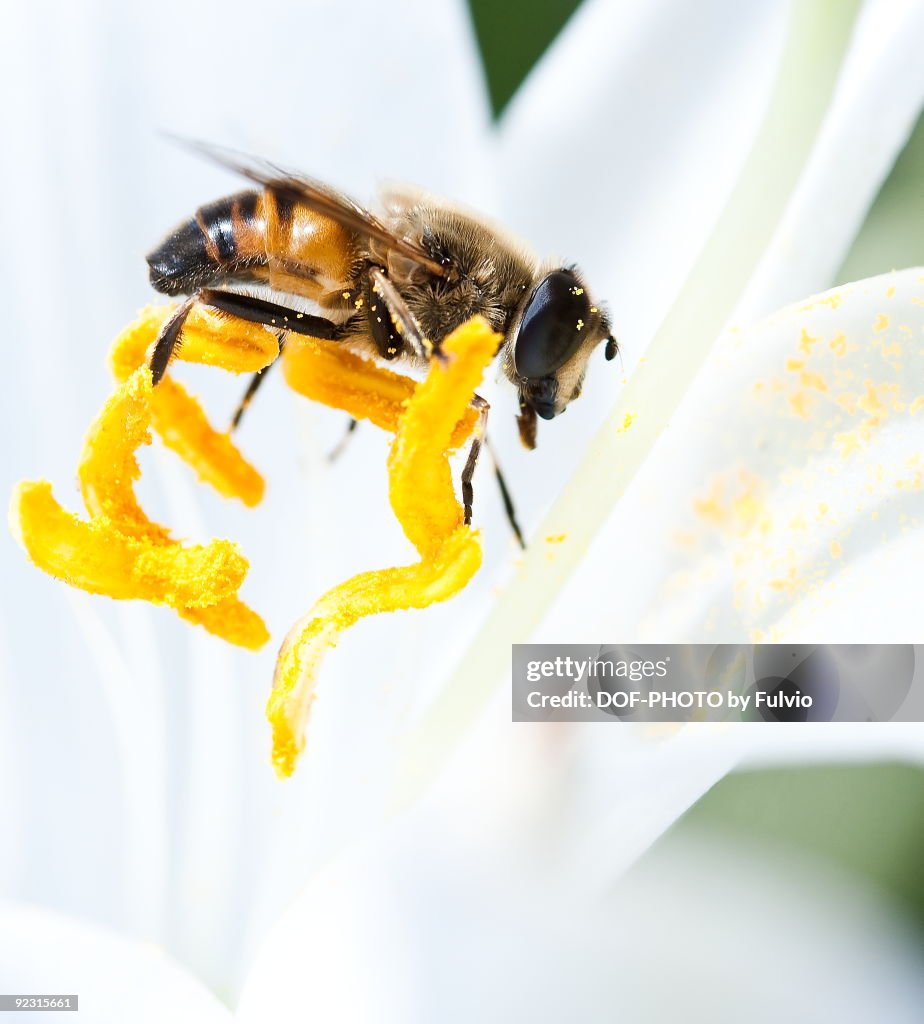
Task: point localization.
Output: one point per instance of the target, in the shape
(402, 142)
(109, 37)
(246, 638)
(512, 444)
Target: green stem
(817, 41)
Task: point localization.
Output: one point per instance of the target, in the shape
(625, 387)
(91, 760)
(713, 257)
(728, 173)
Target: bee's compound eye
(555, 322)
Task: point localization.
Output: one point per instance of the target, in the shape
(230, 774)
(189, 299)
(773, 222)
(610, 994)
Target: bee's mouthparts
(546, 409)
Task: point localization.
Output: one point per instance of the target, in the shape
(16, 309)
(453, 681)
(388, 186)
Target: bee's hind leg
(270, 314)
(244, 307)
(479, 438)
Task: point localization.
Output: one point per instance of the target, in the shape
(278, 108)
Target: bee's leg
(270, 314)
(403, 319)
(505, 496)
(244, 307)
(340, 446)
(474, 451)
(526, 424)
(480, 437)
(168, 339)
(255, 381)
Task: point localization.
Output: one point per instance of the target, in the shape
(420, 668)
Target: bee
(391, 286)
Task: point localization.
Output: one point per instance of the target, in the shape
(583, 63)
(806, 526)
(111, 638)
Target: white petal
(781, 502)
(746, 933)
(879, 95)
(116, 979)
(664, 151)
(760, 514)
(418, 927)
(642, 160)
(625, 141)
(793, 455)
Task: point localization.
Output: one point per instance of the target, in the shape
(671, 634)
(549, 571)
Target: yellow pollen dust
(735, 504)
(813, 380)
(801, 404)
(806, 341)
(870, 402)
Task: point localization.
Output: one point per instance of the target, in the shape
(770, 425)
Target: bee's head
(556, 328)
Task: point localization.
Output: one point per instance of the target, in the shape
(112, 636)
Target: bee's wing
(319, 197)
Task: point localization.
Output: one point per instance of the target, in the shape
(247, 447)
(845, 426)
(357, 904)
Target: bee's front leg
(506, 498)
(479, 438)
(474, 451)
(168, 339)
(399, 317)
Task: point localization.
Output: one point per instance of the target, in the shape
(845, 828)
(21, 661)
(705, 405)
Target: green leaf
(866, 819)
(892, 235)
(512, 37)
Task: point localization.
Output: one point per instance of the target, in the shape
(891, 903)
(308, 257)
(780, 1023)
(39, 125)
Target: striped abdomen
(254, 236)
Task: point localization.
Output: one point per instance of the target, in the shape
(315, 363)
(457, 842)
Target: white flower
(133, 753)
